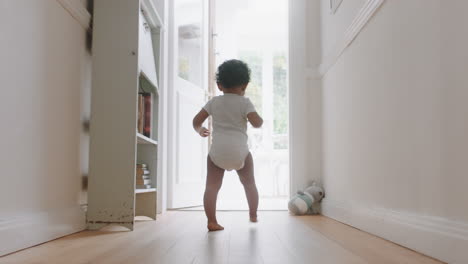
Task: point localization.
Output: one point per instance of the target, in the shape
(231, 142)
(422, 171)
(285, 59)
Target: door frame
(301, 171)
(297, 36)
(164, 115)
(305, 95)
(172, 94)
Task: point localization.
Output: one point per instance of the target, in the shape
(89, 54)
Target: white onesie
(229, 147)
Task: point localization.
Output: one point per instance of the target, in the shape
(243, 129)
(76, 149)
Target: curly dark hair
(233, 73)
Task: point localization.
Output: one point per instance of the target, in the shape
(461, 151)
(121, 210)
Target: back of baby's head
(233, 73)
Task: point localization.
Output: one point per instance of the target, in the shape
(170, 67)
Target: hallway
(366, 98)
(277, 238)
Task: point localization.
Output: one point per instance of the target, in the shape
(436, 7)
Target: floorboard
(181, 237)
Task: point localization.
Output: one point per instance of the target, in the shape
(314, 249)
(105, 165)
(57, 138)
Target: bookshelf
(145, 190)
(145, 140)
(125, 108)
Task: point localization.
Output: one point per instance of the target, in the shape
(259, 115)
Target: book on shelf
(143, 181)
(142, 165)
(148, 91)
(147, 115)
(140, 114)
(141, 172)
(142, 177)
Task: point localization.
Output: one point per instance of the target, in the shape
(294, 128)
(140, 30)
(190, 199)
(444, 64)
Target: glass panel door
(189, 28)
(188, 91)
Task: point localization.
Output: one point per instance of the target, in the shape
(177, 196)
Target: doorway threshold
(265, 204)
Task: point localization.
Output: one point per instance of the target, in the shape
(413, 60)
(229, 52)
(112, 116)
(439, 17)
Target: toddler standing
(229, 150)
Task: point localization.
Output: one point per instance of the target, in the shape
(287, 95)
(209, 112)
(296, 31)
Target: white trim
(78, 11)
(369, 9)
(152, 14)
(163, 128)
(298, 72)
(437, 237)
(28, 230)
(334, 6)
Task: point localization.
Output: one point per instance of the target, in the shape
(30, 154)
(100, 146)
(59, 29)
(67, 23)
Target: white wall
(45, 82)
(454, 95)
(395, 125)
(305, 111)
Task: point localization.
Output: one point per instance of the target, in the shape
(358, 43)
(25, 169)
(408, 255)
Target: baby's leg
(214, 180)
(246, 176)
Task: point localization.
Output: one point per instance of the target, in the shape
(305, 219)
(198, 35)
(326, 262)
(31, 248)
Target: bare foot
(253, 219)
(215, 227)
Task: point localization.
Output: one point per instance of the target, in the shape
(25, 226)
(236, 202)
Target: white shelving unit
(126, 60)
(145, 190)
(141, 139)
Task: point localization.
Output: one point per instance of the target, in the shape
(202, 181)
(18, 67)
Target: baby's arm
(198, 122)
(255, 119)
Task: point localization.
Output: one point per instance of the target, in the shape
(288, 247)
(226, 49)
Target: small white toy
(307, 201)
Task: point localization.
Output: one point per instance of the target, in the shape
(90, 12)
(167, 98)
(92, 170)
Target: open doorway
(256, 31)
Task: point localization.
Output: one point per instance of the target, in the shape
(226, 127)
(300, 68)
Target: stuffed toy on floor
(307, 202)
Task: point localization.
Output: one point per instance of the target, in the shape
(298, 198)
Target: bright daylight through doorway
(255, 31)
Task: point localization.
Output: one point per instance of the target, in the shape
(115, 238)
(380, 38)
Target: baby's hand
(204, 132)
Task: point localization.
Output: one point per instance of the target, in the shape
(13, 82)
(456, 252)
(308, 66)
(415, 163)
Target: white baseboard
(24, 231)
(433, 236)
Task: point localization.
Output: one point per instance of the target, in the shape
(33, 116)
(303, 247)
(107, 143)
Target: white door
(189, 71)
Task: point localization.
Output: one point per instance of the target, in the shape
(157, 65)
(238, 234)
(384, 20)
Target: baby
(229, 151)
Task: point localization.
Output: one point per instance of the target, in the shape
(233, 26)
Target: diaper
(229, 157)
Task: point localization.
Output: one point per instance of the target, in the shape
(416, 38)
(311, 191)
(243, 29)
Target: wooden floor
(181, 237)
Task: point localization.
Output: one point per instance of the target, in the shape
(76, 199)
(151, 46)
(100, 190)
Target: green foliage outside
(280, 90)
(254, 90)
(184, 68)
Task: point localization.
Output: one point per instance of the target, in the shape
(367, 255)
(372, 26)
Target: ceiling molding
(78, 11)
(369, 9)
